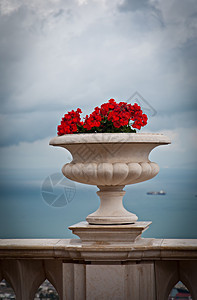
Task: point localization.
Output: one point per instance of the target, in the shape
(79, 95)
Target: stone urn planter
(110, 161)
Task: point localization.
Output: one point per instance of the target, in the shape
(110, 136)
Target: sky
(58, 55)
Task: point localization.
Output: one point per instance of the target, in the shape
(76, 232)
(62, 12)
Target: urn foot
(111, 210)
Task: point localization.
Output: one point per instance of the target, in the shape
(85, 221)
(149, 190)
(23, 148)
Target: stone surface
(109, 234)
(105, 282)
(140, 281)
(73, 249)
(145, 269)
(110, 161)
(109, 138)
(112, 174)
(111, 210)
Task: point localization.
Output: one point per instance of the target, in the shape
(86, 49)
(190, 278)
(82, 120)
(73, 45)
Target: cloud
(34, 155)
(28, 127)
(134, 5)
(59, 55)
(181, 153)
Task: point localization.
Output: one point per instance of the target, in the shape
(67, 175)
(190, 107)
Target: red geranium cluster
(110, 117)
(69, 122)
(94, 120)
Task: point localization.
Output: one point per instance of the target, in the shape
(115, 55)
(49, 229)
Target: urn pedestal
(109, 235)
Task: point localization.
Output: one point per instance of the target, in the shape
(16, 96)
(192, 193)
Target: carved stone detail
(110, 173)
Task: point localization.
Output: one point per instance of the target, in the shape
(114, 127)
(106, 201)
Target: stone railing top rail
(72, 249)
(148, 243)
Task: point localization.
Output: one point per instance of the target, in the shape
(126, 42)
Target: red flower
(110, 117)
(94, 120)
(69, 122)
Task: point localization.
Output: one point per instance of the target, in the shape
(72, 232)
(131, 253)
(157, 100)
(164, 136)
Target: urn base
(111, 210)
(128, 218)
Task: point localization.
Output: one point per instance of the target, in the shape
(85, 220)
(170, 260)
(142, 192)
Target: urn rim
(110, 138)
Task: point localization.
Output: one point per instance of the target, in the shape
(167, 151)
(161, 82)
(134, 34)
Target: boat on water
(156, 193)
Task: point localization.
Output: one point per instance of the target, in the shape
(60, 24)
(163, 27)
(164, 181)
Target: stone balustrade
(147, 269)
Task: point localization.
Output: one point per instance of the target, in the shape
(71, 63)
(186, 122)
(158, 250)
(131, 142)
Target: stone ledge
(72, 249)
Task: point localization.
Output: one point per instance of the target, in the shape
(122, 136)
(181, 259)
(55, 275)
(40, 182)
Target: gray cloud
(59, 13)
(58, 55)
(134, 5)
(151, 8)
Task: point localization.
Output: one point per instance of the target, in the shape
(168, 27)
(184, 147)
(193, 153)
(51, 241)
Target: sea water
(24, 213)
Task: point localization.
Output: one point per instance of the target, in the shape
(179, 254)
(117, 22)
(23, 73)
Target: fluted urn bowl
(110, 161)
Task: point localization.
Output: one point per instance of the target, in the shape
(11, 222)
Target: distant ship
(157, 193)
